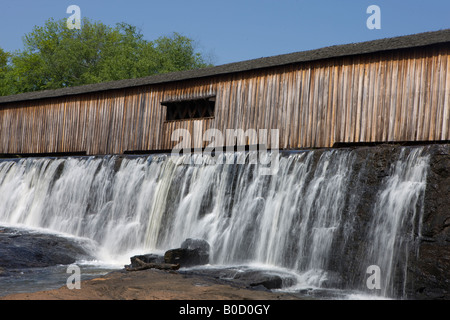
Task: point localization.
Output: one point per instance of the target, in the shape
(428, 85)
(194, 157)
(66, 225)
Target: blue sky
(231, 30)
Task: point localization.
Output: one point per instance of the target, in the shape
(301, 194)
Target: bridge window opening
(190, 109)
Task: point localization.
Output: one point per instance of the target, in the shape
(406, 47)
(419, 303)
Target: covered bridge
(389, 90)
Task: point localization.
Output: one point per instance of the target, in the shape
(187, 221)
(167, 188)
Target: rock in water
(185, 257)
(192, 252)
(193, 244)
(255, 278)
(26, 249)
(146, 258)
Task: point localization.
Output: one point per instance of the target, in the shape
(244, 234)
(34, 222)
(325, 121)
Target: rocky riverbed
(33, 266)
(152, 284)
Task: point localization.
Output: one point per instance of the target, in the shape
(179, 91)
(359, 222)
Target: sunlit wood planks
(398, 95)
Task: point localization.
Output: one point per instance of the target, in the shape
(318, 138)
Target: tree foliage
(4, 72)
(56, 57)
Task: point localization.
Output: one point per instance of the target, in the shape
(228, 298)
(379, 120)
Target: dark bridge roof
(410, 41)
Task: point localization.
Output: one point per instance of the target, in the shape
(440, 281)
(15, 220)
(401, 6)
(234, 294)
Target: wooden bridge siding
(397, 96)
(394, 96)
(177, 91)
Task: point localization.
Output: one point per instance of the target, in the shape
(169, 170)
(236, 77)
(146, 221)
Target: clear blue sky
(236, 30)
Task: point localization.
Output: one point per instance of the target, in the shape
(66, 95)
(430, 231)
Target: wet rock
(246, 277)
(26, 249)
(192, 252)
(429, 270)
(185, 257)
(146, 258)
(256, 278)
(426, 257)
(193, 244)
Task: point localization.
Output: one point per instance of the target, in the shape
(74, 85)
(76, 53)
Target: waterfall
(302, 219)
(395, 219)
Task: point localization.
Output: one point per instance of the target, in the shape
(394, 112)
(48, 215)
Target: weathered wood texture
(399, 95)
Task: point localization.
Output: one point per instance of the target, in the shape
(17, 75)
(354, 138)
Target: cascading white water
(150, 204)
(394, 218)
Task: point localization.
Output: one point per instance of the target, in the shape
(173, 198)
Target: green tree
(177, 53)
(56, 57)
(3, 59)
(4, 73)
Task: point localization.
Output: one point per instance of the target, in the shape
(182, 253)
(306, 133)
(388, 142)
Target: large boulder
(30, 249)
(196, 244)
(192, 252)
